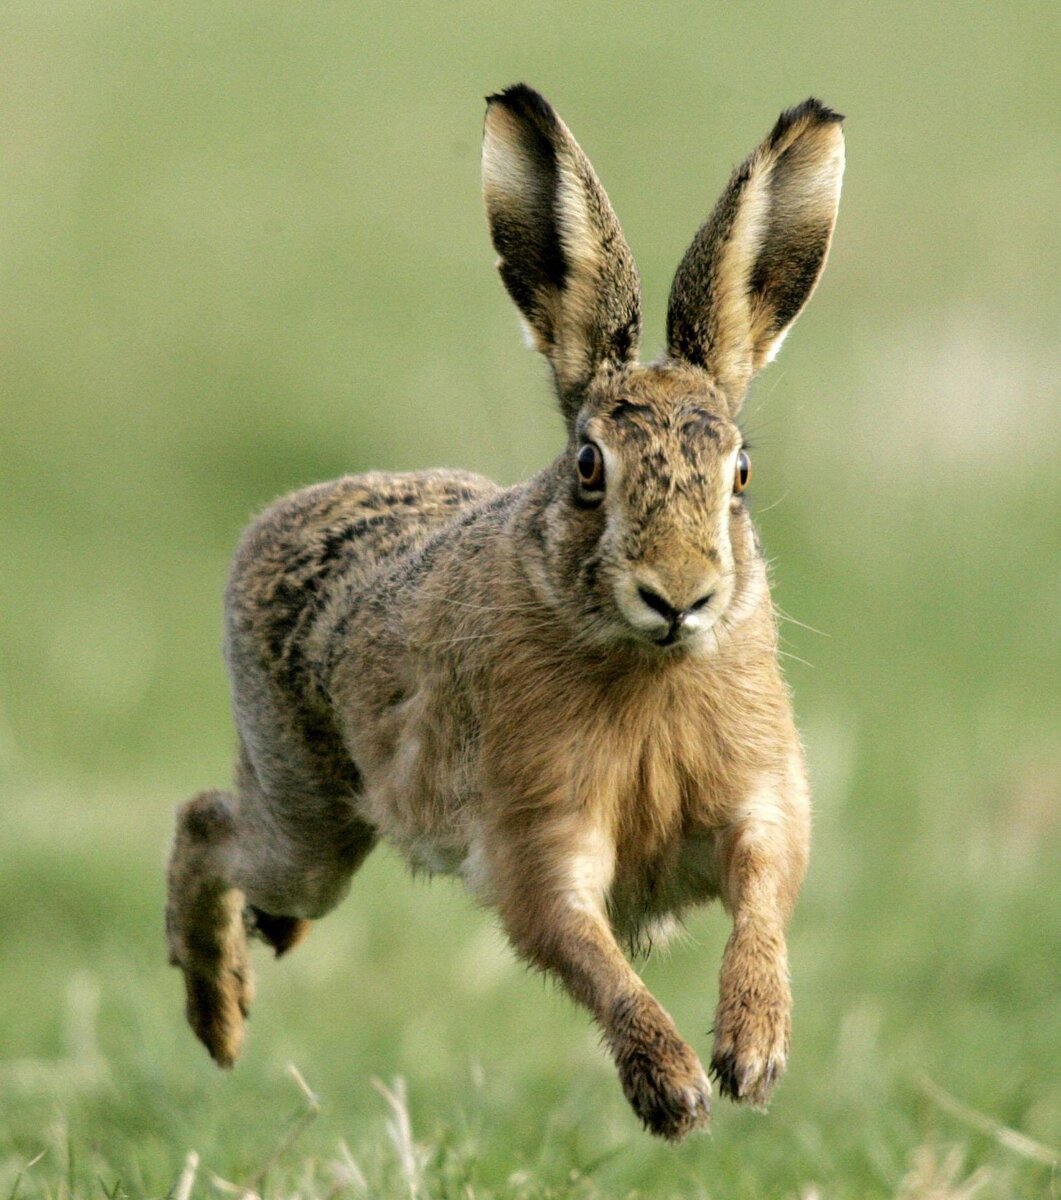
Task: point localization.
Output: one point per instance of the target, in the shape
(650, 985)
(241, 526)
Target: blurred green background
(242, 249)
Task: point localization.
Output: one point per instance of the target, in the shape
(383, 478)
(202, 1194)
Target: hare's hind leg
(243, 863)
(293, 864)
(204, 924)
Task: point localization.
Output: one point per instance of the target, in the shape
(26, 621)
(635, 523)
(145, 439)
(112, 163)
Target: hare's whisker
(761, 511)
(802, 624)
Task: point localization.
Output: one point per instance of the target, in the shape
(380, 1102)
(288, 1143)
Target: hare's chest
(647, 888)
(670, 811)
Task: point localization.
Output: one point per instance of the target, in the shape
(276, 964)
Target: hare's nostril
(656, 602)
(703, 602)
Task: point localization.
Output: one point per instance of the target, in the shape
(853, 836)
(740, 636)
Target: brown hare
(566, 692)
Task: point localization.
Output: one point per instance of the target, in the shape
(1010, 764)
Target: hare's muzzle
(669, 615)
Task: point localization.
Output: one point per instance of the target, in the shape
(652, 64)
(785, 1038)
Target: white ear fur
(530, 339)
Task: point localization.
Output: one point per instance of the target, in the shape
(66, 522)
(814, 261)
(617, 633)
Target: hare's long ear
(755, 261)
(563, 257)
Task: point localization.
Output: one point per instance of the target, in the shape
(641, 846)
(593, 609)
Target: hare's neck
(533, 556)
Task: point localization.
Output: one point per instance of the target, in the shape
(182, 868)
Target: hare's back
(352, 526)
(330, 536)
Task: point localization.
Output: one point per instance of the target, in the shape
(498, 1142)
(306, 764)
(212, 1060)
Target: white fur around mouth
(695, 634)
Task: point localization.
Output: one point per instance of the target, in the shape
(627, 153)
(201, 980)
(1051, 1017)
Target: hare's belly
(438, 831)
(426, 807)
(464, 859)
(646, 899)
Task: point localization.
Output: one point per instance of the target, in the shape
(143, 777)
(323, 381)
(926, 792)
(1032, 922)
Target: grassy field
(242, 249)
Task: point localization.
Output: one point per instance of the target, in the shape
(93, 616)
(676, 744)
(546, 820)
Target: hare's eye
(742, 473)
(590, 464)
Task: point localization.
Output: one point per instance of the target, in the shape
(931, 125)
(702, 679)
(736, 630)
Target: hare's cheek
(749, 588)
(741, 538)
(744, 538)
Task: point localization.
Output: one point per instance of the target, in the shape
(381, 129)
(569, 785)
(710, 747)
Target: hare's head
(644, 534)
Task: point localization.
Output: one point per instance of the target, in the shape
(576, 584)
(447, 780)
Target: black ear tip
(824, 113)
(811, 112)
(522, 100)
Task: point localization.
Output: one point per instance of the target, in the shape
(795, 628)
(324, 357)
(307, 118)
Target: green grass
(242, 249)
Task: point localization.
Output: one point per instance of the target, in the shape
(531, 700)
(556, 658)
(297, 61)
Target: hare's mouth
(676, 635)
(692, 635)
(664, 627)
(687, 639)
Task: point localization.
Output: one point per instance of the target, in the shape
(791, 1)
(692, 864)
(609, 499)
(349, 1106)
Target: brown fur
(569, 697)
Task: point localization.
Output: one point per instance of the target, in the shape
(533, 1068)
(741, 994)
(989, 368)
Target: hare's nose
(661, 605)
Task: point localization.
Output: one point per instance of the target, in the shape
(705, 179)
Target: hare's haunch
(567, 692)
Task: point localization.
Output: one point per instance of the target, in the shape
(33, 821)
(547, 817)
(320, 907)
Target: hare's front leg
(763, 864)
(552, 900)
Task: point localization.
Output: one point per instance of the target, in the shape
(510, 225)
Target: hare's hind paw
(216, 1008)
(204, 926)
(219, 989)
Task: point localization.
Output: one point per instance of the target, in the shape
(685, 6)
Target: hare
(566, 692)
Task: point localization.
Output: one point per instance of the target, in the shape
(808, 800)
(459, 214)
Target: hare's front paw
(752, 1031)
(661, 1076)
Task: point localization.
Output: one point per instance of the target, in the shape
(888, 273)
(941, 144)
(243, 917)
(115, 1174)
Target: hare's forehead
(684, 440)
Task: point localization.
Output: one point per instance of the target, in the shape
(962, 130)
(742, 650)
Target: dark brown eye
(743, 472)
(590, 464)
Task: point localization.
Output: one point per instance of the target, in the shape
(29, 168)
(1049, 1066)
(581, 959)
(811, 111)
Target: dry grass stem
(186, 1182)
(932, 1178)
(299, 1124)
(1019, 1143)
(233, 1189)
(401, 1133)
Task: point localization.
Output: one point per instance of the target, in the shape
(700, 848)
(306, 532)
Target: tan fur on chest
(654, 761)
